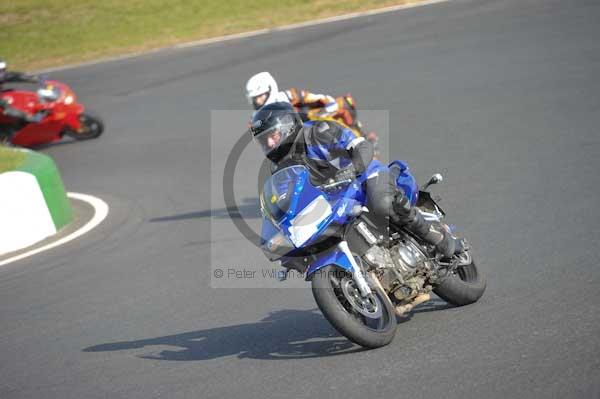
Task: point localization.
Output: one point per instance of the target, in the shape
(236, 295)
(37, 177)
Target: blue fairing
(296, 213)
(334, 257)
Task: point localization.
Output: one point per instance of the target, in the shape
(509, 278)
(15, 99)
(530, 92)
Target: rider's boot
(434, 233)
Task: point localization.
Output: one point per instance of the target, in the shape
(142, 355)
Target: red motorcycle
(59, 114)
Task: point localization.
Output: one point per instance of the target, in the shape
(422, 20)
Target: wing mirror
(435, 179)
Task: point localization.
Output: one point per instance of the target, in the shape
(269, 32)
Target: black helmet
(275, 127)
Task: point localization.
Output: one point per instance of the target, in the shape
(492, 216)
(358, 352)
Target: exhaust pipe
(401, 310)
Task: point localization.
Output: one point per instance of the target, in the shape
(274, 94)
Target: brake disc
(368, 306)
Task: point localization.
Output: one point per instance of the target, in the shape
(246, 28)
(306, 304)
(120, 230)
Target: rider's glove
(327, 111)
(36, 118)
(331, 108)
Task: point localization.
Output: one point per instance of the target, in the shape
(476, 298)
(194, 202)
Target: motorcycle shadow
(281, 335)
(248, 209)
(284, 334)
(59, 143)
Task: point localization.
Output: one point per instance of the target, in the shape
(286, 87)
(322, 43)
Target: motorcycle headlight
(278, 241)
(307, 222)
(279, 245)
(69, 100)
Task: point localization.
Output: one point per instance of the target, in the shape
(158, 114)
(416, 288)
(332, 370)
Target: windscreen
(278, 192)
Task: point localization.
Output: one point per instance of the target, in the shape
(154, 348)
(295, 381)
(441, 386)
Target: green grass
(42, 33)
(10, 159)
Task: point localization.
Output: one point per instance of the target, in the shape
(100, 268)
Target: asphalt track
(501, 96)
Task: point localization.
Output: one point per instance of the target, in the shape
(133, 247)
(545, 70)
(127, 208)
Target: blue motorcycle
(363, 271)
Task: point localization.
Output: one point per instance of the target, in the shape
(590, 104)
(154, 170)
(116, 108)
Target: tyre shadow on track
(433, 305)
(283, 334)
(248, 209)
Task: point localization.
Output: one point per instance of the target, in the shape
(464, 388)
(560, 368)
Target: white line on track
(100, 213)
(204, 42)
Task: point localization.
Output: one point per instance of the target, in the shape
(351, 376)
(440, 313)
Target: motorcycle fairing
(337, 208)
(333, 257)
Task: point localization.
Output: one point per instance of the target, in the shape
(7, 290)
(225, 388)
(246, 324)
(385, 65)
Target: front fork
(342, 256)
(357, 275)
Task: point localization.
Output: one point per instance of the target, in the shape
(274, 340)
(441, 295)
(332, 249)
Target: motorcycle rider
(332, 152)
(14, 77)
(262, 89)
(19, 118)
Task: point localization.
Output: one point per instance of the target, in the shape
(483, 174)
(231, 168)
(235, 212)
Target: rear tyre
(464, 285)
(369, 322)
(92, 126)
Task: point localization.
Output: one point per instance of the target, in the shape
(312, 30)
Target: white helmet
(260, 84)
(2, 68)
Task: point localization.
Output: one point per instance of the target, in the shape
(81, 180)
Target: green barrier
(48, 178)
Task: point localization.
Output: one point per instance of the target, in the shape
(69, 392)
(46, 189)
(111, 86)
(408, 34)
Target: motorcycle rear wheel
(463, 286)
(370, 323)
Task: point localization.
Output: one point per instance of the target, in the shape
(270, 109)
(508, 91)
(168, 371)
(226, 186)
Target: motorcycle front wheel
(369, 322)
(92, 126)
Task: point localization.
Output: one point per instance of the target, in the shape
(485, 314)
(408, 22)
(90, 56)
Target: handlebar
(335, 184)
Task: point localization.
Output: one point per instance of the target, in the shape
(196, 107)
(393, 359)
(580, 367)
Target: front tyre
(464, 285)
(92, 126)
(369, 322)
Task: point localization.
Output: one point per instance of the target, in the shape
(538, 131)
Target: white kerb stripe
(100, 213)
(24, 216)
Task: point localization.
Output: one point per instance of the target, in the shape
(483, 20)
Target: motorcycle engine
(402, 269)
